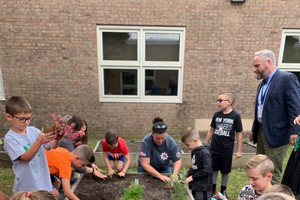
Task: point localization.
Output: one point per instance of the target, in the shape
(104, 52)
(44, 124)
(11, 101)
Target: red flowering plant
(61, 128)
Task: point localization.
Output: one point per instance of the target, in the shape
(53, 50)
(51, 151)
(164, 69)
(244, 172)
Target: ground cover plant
(133, 192)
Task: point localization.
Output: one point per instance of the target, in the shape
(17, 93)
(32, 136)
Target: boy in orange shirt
(60, 162)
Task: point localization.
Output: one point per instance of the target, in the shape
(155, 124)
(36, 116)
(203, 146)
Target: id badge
(260, 113)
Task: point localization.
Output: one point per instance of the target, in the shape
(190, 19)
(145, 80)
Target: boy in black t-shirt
(199, 175)
(225, 123)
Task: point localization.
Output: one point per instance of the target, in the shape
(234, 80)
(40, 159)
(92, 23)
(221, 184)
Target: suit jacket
(281, 107)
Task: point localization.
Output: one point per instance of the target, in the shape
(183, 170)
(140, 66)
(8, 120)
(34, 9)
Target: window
(289, 56)
(2, 96)
(140, 64)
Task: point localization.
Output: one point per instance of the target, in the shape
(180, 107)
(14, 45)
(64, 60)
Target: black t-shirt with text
(226, 125)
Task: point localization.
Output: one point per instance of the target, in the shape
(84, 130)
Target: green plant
(179, 191)
(133, 192)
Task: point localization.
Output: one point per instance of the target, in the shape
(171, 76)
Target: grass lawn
(237, 177)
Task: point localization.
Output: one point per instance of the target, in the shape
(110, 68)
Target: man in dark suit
(277, 105)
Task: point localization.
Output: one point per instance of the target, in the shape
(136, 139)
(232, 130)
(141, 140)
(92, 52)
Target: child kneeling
(115, 149)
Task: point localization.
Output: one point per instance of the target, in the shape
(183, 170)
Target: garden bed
(91, 187)
(135, 146)
(4, 158)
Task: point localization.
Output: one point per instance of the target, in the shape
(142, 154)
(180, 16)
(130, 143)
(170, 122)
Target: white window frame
(2, 95)
(295, 67)
(140, 64)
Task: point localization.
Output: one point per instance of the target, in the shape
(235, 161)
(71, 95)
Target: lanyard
(263, 94)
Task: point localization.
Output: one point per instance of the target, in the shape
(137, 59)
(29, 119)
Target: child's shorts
(119, 159)
(222, 162)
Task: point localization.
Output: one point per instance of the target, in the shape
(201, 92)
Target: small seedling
(133, 192)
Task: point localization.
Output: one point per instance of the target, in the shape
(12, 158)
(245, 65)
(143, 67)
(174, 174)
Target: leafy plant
(133, 192)
(179, 191)
(61, 128)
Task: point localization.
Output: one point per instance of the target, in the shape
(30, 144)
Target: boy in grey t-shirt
(23, 144)
(158, 152)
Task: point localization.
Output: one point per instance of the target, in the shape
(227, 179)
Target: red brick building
(120, 63)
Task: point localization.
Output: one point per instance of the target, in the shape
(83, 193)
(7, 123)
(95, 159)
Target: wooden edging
(74, 186)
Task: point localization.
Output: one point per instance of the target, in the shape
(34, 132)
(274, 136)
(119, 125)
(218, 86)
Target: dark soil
(2, 147)
(135, 147)
(91, 187)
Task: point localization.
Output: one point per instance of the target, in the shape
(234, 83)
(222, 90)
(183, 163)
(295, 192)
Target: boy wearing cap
(159, 153)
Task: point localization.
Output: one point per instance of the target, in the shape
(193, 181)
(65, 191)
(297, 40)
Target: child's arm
(54, 143)
(128, 161)
(30, 153)
(110, 169)
(239, 136)
(209, 135)
(67, 189)
(93, 170)
(204, 169)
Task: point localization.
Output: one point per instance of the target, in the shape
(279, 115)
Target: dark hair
(16, 105)
(111, 137)
(79, 123)
(159, 128)
(157, 119)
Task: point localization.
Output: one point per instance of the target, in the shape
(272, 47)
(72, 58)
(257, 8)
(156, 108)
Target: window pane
(120, 82)
(162, 47)
(291, 52)
(163, 82)
(298, 75)
(119, 46)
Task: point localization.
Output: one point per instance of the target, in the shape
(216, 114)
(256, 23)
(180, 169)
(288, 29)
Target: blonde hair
(230, 96)
(275, 196)
(262, 162)
(34, 195)
(280, 188)
(190, 134)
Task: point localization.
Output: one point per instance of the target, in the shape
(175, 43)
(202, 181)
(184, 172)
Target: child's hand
(96, 167)
(174, 177)
(189, 179)
(45, 137)
(111, 172)
(122, 174)
(238, 154)
(99, 174)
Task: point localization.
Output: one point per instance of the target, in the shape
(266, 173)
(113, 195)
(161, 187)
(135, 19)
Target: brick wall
(48, 54)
